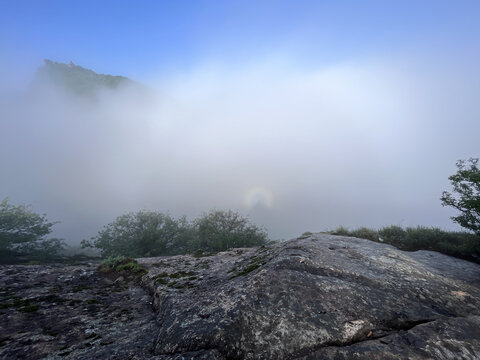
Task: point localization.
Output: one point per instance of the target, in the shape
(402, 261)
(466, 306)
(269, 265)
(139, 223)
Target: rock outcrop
(319, 297)
(322, 297)
(71, 312)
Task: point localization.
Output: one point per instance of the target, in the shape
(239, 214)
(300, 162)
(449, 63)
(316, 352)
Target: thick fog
(361, 143)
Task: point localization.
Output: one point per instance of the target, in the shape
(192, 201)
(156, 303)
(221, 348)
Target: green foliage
(122, 264)
(466, 194)
(254, 263)
(221, 230)
(459, 244)
(365, 233)
(342, 231)
(306, 234)
(145, 233)
(23, 235)
(149, 233)
(132, 267)
(394, 234)
(113, 261)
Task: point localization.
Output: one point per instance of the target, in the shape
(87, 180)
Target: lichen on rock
(317, 297)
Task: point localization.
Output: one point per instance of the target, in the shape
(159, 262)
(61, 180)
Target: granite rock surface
(317, 297)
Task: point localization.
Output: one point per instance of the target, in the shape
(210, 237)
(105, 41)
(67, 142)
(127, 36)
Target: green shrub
(392, 234)
(132, 266)
(306, 234)
(113, 261)
(423, 238)
(149, 233)
(362, 233)
(459, 244)
(24, 236)
(365, 233)
(341, 230)
(221, 230)
(466, 194)
(122, 264)
(144, 234)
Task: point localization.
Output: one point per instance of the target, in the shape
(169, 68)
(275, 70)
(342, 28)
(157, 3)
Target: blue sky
(136, 38)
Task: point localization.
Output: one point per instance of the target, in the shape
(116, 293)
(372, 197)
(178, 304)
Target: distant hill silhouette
(80, 80)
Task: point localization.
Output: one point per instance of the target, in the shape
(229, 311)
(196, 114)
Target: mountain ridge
(79, 80)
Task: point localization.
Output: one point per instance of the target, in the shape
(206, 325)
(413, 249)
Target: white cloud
(362, 143)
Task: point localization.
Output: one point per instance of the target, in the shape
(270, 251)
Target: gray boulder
(318, 297)
(321, 297)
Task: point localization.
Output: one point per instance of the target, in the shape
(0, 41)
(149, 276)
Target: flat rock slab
(71, 312)
(318, 297)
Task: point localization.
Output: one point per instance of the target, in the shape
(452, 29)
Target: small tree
(24, 233)
(144, 233)
(466, 197)
(221, 230)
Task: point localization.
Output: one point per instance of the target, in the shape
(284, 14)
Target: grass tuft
(123, 264)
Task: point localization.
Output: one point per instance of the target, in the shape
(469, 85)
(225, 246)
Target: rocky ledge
(318, 297)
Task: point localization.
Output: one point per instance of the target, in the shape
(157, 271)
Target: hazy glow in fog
(258, 196)
(363, 143)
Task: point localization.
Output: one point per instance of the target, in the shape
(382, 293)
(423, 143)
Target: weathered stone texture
(71, 312)
(320, 297)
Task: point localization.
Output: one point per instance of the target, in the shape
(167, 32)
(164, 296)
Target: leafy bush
(122, 264)
(112, 261)
(394, 235)
(221, 230)
(365, 233)
(149, 233)
(132, 267)
(466, 197)
(342, 231)
(23, 235)
(145, 233)
(459, 244)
